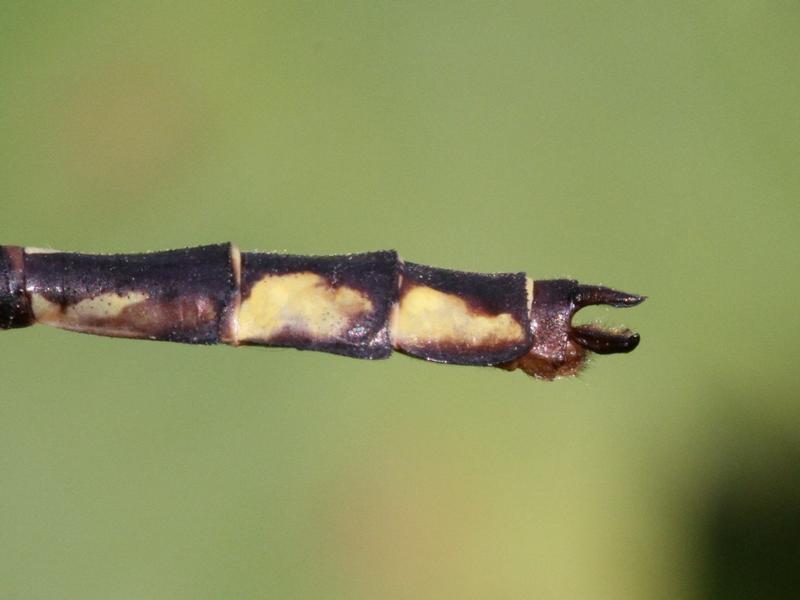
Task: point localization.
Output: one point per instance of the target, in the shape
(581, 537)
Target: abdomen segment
(338, 304)
(462, 318)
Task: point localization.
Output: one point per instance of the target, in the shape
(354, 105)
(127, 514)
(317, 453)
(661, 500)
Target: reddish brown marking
(570, 359)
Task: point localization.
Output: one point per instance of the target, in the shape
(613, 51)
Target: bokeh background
(652, 146)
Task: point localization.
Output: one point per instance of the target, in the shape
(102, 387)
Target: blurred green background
(651, 146)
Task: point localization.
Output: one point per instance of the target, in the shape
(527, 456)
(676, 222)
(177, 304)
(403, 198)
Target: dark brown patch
(476, 355)
(15, 306)
(177, 282)
(374, 274)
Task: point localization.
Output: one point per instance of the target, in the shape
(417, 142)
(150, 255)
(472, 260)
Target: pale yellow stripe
(428, 316)
(104, 306)
(300, 303)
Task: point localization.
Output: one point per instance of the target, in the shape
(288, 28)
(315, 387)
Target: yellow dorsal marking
(299, 303)
(426, 315)
(104, 306)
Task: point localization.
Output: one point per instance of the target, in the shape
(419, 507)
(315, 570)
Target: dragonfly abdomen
(358, 305)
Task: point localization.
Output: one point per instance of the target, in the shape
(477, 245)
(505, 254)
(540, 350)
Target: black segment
(374, 274)
(485, 293)
(169, 278)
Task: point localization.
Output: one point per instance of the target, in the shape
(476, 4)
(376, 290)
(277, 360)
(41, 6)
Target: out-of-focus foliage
(651, 146)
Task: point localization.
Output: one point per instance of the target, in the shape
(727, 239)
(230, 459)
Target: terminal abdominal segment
(357, 305)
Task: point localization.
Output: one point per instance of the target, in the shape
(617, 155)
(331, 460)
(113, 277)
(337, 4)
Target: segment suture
(358, 305)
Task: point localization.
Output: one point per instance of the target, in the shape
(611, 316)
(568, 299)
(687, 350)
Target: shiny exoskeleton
(358, 305)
